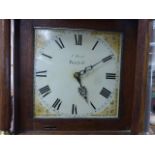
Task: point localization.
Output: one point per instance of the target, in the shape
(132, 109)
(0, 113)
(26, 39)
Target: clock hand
(89, 68)
(77, 75)
(82, 89)
(78, 78)
(83, 93)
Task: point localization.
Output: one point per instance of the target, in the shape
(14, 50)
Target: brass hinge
(4, 132)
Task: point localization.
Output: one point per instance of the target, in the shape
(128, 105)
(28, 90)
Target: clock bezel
(24, 109)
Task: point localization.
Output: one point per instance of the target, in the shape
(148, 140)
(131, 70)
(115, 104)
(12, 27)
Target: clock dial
(76, 73)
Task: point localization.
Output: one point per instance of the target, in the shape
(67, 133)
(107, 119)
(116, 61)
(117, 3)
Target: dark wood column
(141, 71)
(5, 75)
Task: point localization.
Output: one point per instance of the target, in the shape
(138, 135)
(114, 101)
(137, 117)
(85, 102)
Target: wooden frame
(133, 85)
(141, 71)
(5, 97)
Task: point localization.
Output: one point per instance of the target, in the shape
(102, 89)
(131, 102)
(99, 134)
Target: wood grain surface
(5, 105)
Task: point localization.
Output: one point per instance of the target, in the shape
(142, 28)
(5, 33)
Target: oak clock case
(75, 76)
(76, 73)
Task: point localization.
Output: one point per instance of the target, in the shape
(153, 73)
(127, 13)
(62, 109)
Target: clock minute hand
(89, 68)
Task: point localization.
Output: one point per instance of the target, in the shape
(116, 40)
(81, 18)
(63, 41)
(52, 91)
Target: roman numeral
(95, 45)
(78, 39)
(47, 56)
(92, 105)
(74, 109)
(107, 58)
(44, 91)
(105, 92)
(41, 73)
(57, 104)
(110, 76)
(60, 43)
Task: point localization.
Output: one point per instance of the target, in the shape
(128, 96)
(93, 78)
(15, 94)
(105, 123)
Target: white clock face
(76, 73)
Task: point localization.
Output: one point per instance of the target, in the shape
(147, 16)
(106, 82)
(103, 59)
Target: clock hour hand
(89, 68)
(83, 93)
(82, 89)
(78, 78)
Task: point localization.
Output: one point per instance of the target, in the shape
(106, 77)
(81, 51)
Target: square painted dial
(76, 73)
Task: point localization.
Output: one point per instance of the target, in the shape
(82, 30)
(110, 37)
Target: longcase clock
(80, 76)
